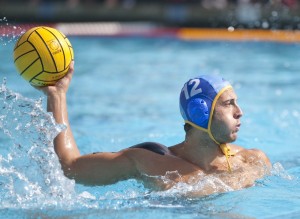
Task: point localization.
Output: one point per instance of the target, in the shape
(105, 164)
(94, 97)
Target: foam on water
(30, 174)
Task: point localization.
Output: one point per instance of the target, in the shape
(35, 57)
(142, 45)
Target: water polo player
(212, 116)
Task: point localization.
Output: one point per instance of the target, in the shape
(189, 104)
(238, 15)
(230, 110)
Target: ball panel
(66, 46)
(25, 36)
(41, 47)
(70, 50)
(35, 82)
(23, 49)
(32, 70)
(57, 45)
(40, 81)
(67, 55)
(24, 62)
(45, 76)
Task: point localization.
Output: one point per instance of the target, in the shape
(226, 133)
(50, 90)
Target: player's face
(226, 118)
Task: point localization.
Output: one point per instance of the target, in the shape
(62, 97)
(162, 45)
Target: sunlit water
(125, 91)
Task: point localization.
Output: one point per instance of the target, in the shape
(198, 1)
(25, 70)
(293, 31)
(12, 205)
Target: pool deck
(116, 29)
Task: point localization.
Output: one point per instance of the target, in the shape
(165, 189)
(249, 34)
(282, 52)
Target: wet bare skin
(194, 159)
(247, 167)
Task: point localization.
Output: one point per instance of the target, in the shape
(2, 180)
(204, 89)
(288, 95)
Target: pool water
(125, 91)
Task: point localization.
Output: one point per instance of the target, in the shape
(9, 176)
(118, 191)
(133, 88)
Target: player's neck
(201, 150)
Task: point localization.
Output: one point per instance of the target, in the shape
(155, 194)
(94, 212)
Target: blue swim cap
(198, 98)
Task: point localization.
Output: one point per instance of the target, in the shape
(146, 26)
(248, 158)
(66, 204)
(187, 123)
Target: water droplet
(265, 24)
(274, 13)
(230, 29)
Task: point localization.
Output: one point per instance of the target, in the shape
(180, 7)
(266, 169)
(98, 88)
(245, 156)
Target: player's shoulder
(250, 153)
(235, 149)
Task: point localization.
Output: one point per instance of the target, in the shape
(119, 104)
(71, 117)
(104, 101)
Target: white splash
(9, 33)
(30, 174)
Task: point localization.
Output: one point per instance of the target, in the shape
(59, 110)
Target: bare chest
(166, 172)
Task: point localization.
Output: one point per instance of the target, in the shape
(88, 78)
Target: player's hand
(61, 86)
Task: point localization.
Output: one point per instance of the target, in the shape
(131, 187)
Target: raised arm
(93, 169)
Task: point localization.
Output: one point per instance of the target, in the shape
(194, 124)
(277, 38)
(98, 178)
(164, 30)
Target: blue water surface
(125, 91)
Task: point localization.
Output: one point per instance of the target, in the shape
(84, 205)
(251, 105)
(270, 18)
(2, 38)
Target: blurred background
(264, 14)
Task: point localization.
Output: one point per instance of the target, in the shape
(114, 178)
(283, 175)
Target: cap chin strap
(223, 146)
(225, 149)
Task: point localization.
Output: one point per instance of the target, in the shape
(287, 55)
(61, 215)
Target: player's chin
(229, 137)
(233, 136)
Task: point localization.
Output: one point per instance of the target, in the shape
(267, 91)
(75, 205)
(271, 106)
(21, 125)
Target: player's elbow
(68, 169)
